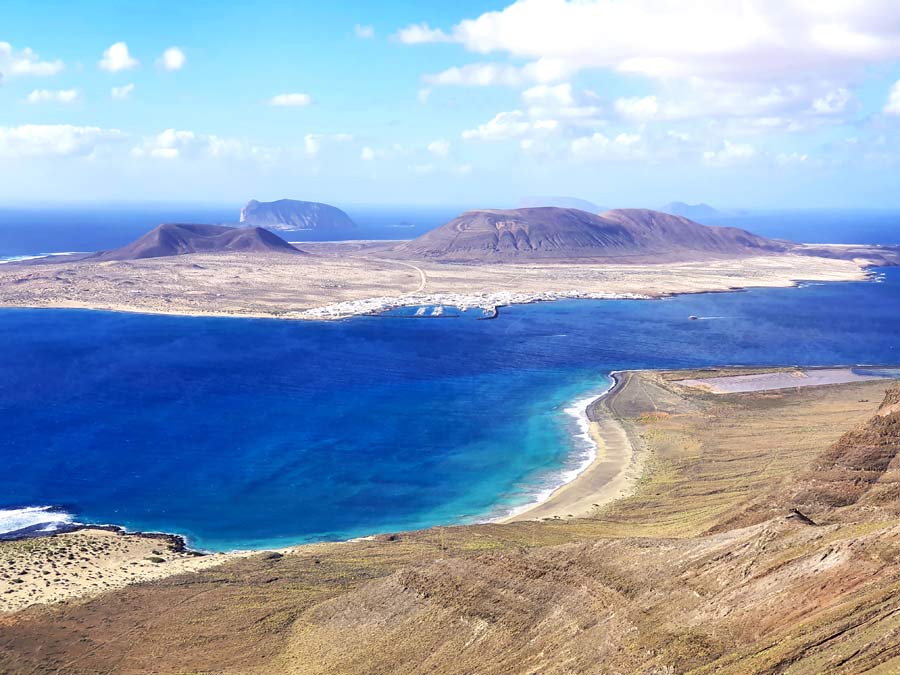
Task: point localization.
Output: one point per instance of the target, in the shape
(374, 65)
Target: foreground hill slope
(560, 233)
(180, 239)
(650, 584)
(292, 215)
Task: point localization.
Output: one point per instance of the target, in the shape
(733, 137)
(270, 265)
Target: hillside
(291, 215)
(180, 239)
(570, 234)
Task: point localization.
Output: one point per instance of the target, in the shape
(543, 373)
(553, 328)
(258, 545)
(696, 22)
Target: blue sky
(761, 103)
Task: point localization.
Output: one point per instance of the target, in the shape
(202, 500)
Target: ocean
(241, 433)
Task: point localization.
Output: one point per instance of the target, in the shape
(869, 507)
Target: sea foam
(33, 521)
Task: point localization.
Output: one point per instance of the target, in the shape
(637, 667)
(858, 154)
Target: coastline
(611, 472)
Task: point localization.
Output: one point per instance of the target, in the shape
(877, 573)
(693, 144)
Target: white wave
(584, 454)
(20, 258)
(34, 520)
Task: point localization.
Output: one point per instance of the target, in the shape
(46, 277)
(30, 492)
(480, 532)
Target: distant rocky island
(563, 234)
(699, 212)
(292, 215)
(561, 202)
(172, 239)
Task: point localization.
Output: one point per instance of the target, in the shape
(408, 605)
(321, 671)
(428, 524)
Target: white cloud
(48, 96)
(121, 93)
(173, 144)
(291, 100)
(55, 140)
(787, 159)
(312, 144)
(833, 102)
(503, 126)
(117, 58)
(892, 107)
(729, 153)
(489, 74)
(478, 75)
(364, 32)
(439, 147)
(420, 34)
(599, 146)
(172, 59)
(423, 95)
(560, 94)
(641, 108)
(673, 38)
(343, 138)
(25, 62)
(367, 154)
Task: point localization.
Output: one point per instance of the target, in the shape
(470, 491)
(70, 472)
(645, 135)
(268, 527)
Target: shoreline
(602, 480)
(579, 410)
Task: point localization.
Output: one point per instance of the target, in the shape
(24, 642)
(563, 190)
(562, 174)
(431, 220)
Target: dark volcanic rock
(180, 239)
(557, 233)
(291, 215)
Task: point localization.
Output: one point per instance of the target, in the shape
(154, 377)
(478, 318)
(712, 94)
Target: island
(482, 259)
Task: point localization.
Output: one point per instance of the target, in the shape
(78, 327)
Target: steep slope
(291, 215)
(557, 233)
(179, 239)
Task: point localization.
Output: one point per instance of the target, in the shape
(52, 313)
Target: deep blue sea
(248, 433)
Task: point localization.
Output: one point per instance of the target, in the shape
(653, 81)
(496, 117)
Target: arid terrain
(342, 280)
(762, 536)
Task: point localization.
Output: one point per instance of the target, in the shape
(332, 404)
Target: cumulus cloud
(172, 59)
(439, 147)
(364, 32)
(892, 107)
(117, 58)
(478, 75)
(729, 153)
(504, 74)
(172, 144)
(55, 140)
(57, 96)
(312, 144)
(14, 62)
(291, 100)
(833, 102)
(641, 108)
(507, 125)
(121, 93)
(421, 33)
(367, 154)
(673, 38)
(599, 146)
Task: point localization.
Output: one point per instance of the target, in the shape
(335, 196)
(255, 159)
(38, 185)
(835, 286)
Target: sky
(737, 103)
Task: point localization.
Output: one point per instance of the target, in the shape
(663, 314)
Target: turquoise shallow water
(240, 433)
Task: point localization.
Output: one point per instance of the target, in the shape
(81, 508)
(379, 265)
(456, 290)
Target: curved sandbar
(613, 473)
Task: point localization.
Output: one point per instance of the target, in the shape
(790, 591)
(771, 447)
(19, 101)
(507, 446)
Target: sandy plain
(339, 281)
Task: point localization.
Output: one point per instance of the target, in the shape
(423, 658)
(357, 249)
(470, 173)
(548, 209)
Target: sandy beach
(612, 473)
(89, 561)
